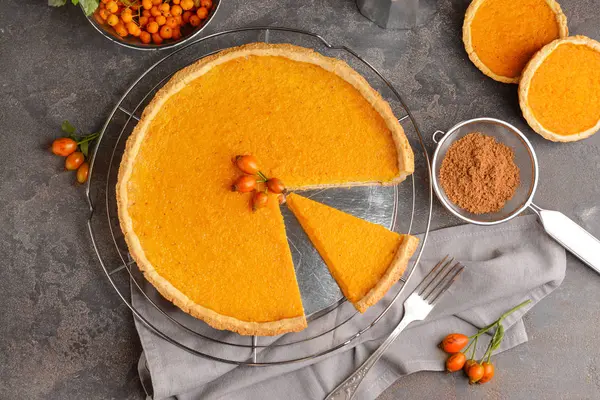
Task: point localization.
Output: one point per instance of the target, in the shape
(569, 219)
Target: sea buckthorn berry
(156, 2)
(152, 27)
(176, 33)
(195, 20)
(166, 32)
(187, 4)
(126, 15)
(82, 172)
(206, 4)
(112, 20)
(186, 16)
(104, 14)
(155, 12)
(112, 6)
(202, 13)
(146, 13)
(145, 37)
(179, 20)
(131, 27)
(156, 38)
(74, 160)
(105, 1)
(172, 22)
(120, 29)
(164, 8)
(161, 20)
(176, 10)
(143, 21)
(147, 4)
(176, 2)
(101, 6)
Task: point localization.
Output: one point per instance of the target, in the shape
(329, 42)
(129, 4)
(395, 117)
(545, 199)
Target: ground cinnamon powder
(479, 174)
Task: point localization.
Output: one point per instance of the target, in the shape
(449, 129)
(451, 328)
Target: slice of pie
(365, 259)
(305, 117)
(559, 92)
(501, 36)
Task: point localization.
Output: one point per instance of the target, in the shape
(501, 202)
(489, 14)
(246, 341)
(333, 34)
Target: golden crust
(525, 84)
(178, 82)
(392, 275)
(468, 41)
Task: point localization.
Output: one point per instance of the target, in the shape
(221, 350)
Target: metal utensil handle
(347, 389)
(571, 236)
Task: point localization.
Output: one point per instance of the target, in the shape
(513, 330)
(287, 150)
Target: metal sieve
(564, 230)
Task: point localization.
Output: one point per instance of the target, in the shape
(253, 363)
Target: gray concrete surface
(63, 332)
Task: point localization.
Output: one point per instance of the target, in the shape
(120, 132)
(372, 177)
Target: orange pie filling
(306, 125)
(564, 94)
(506, 33)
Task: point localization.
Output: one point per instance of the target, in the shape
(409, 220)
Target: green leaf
(89, 6)
(497, 338)
(67, 127)
(57, 3)
(85, 148)
(75, 2)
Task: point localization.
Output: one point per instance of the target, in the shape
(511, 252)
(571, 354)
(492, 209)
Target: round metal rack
(330, 327)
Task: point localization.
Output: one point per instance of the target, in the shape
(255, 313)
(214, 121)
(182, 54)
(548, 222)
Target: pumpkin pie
(365, 259)
(311, 120)
(560, 90)
(501, 36)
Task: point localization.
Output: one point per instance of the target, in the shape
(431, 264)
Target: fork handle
(347, 389)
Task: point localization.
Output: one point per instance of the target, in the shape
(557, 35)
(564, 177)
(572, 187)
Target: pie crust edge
(177, 83)
(525, 84)
(392, 275)
(563, 32)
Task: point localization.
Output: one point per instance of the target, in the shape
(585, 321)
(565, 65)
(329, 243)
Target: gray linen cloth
(506, 264)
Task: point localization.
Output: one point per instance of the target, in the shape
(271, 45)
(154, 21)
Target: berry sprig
(76, 150)
(252, 181)
(477, 372)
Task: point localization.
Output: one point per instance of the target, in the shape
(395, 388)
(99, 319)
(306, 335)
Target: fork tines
(439, 279)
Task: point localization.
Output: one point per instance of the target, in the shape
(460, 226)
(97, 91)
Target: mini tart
(365, 259)
(305, 117)
(560, 90)
(500, 36)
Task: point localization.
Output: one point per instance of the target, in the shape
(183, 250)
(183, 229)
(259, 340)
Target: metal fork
(416, 308)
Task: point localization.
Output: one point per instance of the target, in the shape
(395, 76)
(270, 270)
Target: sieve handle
(571, 236)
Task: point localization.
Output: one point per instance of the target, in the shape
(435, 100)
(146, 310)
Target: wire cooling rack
(330, 327)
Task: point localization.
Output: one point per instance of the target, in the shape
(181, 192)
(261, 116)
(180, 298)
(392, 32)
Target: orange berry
(105, 1)
(172, 22)
(186, 16)
(146, 13)
(152, 27)
(104, 14)
(154, 11)
(132, 28)
(120, 29)
(126, 15)
(176, 33)
(156, 38)
(161, 20)
(82, 172)
(195, 20)
(202, 13)
(145, 37)
(179, 19)
(259, 200)
(112, 6)
(101, 6)
(166, 32)
(147, 4)
(112, 20)
(176, 2)
(187, 4)
(164, 8)
(156, 2)
(206, 4)
(143, 21)
(176, 10)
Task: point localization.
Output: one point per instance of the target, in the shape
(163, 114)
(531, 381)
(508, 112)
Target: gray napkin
(506, 264)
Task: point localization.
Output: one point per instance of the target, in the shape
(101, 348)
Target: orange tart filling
(501, 36)
(364, 258)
